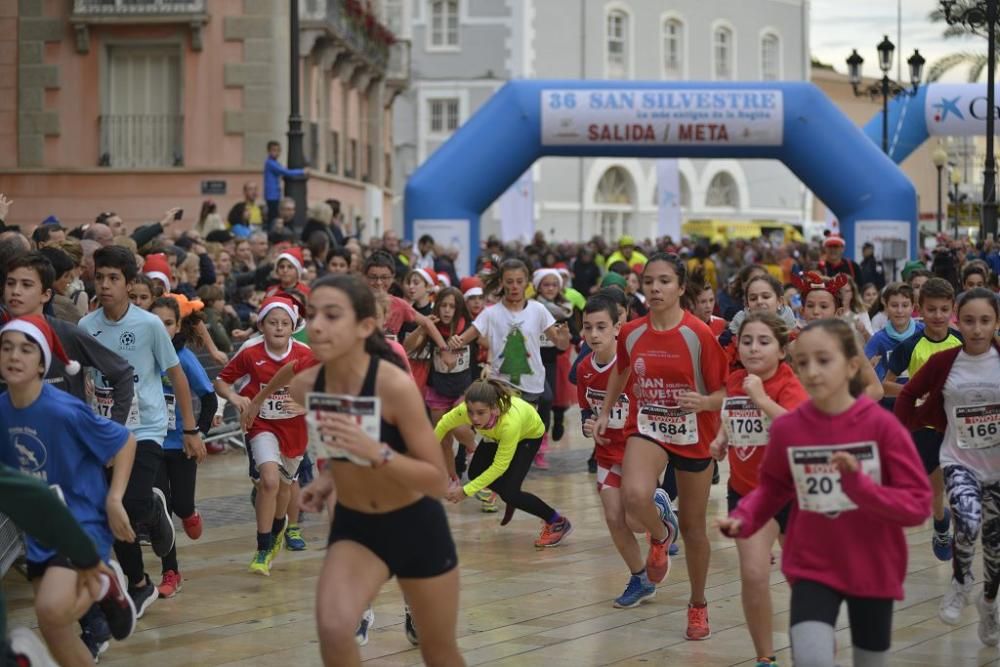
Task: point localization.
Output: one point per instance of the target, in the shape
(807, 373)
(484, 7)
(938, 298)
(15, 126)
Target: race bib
(673, 426)
(171, 402)
(366, 411)
(104, 403)
(461, 363)
(977, 426)
(817, 481)
(275, 406)
(745, 424)
(619, 412)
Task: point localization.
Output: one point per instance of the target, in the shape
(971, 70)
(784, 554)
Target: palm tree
(975, 62)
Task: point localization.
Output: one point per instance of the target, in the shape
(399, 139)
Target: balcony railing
(133, 7)
(354, 27)
(398, 70)
(142, 140)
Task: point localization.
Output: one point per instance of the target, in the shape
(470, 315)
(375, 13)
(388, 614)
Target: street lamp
(956, 198)
(295, 186)
(940, 158)
(976, 17)
(886, 88)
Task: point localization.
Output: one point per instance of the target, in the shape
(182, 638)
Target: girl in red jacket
(963, 401)
(763, 389)
(856, 481)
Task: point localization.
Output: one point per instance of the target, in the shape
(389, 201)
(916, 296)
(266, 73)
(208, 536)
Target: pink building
(139, 105)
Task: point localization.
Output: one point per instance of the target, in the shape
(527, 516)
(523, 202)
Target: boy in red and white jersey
(278, 436)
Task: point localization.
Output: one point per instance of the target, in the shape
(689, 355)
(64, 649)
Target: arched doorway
(723, 192)
(614, 201)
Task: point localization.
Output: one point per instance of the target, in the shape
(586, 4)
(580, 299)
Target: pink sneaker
(540, 462)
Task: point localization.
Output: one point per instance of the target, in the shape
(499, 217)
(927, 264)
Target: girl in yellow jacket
(512, 433)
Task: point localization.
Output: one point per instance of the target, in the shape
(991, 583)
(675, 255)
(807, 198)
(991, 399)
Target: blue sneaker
(941, 542)
(635, 593)
(667, 516)
(674, 549)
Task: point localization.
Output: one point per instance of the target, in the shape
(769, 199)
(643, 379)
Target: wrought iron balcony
(87, 13)
(350, 25)
(142, 140)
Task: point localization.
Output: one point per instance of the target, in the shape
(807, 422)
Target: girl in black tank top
(411, 541)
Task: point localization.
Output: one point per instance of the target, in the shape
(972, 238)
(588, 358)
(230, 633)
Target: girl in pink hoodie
(856, 481)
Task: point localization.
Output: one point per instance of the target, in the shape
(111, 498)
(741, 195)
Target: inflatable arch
(938, 109)
(791, 122)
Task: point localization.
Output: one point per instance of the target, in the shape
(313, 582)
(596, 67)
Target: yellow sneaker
(260, 563)
(489, 503)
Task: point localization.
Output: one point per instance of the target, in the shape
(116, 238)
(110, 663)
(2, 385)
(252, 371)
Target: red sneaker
(554, 533)
(697, 628)
(658, 560)
(171, 584)
(215, 447)
(192, 525)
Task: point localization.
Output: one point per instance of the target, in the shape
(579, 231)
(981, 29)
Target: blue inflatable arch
(791, 122)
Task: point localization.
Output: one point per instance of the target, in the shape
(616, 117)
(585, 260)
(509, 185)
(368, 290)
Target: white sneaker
(954, 601)
(989, 625)
(26, 644)
(364, 627)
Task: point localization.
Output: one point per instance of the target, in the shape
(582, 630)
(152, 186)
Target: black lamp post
(295, 186)
(886, 88)
(979, 17)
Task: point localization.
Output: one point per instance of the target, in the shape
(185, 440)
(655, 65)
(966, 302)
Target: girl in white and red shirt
(674, 374)
(857, 482)
(963, 400)
(761, 390)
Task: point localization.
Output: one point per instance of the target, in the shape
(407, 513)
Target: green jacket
(34, 508)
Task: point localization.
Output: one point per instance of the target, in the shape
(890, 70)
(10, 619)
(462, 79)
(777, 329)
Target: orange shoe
(170, 585)
(554, 533)
(192, 525)
(658, 560)
(698, 629)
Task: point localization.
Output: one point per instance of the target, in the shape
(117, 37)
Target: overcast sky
(841, 25)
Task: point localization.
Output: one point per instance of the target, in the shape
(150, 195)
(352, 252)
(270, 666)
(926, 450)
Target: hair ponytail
(490, 392)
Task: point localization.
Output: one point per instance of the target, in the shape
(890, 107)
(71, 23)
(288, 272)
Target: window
(615, 203)
(444, 23)
(142, 124)
(367, 176)
(770, 57)
(393, 15)
(351, 168)
(722, 52)
(673, 49)
(617, 35)
(723, 191)
(387, 162)
(333, 153)
(443, 115)
(313, 155)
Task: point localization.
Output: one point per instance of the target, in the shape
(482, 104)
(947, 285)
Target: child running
(763, 389)
(278, 435)
(963, 402)
(386, 521)
(178, 473)
(857, 482)
(53, 436)
(501, 463)
(675, 375)
(602, 319)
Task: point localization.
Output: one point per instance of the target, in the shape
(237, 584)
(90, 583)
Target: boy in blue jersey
(141, 339)
(897, 298)
(50, 435)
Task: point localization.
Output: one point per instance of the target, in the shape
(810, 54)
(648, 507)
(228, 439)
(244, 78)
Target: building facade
(464, 50)
(140, 105)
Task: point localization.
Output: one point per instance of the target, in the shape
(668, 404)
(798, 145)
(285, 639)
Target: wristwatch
(387, 455)
(191, 431)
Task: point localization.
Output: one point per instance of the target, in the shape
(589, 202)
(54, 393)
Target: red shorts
(609, 477)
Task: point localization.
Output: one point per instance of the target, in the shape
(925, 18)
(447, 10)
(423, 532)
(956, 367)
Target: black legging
(508, 485)
(143, 512)
(176, 479)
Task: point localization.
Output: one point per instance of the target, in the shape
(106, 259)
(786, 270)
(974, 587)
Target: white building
(464, 50)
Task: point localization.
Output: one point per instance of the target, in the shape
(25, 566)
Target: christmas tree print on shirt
(515, 356)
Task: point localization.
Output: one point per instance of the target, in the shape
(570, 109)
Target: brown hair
(461, 314)
(493, 282)
(897, 289)
(772, 321)
(490, 392)
(937, 288)
(856, 305)
(209, 294)
(779, 291)
(850, 346)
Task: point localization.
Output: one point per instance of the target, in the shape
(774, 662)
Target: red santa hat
(471, 286)
(294, 257)
(38, 330)
(833, 240)
(429, 278)
(156, 267)
(280, 302)
(444, 280)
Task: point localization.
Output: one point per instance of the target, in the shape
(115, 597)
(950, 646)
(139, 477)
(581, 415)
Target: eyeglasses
(379, 279)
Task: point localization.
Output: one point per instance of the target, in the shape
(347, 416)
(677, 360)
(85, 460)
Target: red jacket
(929, 381)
